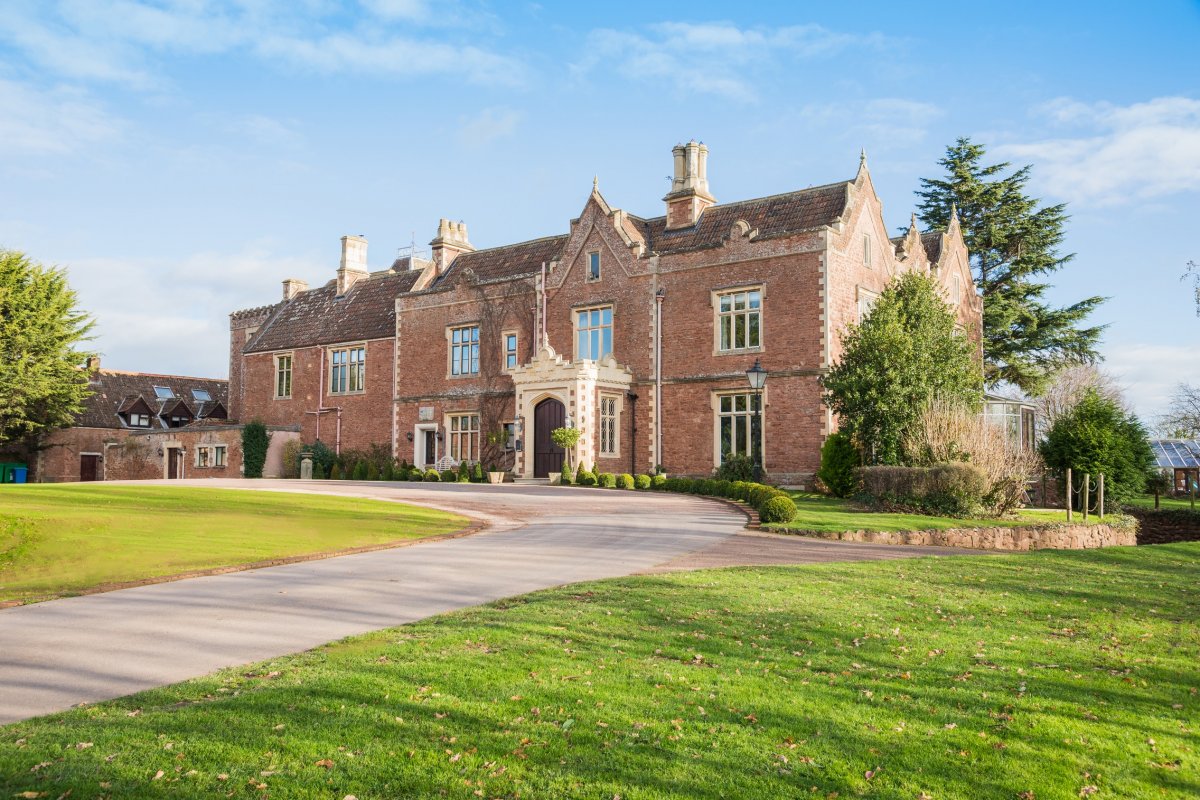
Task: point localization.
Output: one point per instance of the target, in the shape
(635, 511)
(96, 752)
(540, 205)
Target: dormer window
(164, 393)
(593, 272)
(139, 420)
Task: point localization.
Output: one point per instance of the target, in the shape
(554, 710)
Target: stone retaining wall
(1166, 525)
(1061, 537)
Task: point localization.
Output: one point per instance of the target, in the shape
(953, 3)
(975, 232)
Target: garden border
(1011, 539)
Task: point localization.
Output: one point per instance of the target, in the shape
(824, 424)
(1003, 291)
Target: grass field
(59, 539)
(1048, 675)
(1172, 503)
(821, 513)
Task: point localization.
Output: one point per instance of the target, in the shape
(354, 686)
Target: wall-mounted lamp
(409, 436)
(441, 436)
(160, 451)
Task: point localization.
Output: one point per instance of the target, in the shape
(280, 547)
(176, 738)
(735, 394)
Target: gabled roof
(932, 240)
(179, 408)
(115, 392)
(319, 316)
(774, 216)
(509, 261)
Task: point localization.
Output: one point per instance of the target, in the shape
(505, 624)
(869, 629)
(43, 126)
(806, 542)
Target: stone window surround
(865, 295)
(450, 329)
(715, 396)
(575, 325)
(616, 423)
(715, 301)
(587, 275)
(471, 434)
(504, 351)
(347, 348)
(214, 456)
(275, 358)
(866, 246)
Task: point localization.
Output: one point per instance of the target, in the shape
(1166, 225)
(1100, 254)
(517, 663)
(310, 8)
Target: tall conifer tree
(1013, 245)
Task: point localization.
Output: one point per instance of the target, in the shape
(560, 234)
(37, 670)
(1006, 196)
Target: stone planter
(555, 478)
(495, 477)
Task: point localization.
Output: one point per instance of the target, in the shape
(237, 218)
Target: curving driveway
(84, 649)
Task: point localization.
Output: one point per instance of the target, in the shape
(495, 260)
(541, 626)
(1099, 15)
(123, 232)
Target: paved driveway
(84, 649)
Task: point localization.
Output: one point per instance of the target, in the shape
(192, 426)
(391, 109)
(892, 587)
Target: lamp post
(757, 376)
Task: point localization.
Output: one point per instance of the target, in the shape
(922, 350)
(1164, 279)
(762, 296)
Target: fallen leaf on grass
(327, 763)
(158, 775)
(42, 765)
(1088, 791)
(30, 795)
(83, 745)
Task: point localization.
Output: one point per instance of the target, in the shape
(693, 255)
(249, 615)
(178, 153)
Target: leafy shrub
(585, 478)
(607, 480)
(255, 441)
(580, 471)
(370, 471)
(954, 489)
(335, 472)
(736, 468)
(840, 461)
(778, 509)
(642, 482)
(1098, 436)
(415, 474)
(464, 471)
(625, 481)
(291, 458)
(432, 475)
(388, 473)
(318, 471)
(566, 473)
(359, 472)
(477, 473)
(450, 476)
(324, 456)
(658, 481)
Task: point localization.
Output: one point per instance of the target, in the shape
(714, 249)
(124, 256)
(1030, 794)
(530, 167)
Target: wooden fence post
(1086, 494)
(1069, 488)
(1100, 497)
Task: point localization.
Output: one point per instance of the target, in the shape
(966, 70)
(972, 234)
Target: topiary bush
(477, 473)
(432, 475)
(565, 472)
(780, 508)
(318, 471)
(359, 473)
(840, 461)
(736, 468)
(606, 480)
(335, 472)
(625, 481)
(642, 481)
(450, 476)
(371, 472)
(658, 481)
(954, 489)
(585, 478)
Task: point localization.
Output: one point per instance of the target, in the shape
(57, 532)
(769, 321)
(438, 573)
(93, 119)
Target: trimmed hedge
(432, 475)
(606, 480)
(625, 481)
(642, 482)
(952, 489)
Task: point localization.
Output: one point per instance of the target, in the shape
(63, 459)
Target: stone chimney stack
(293, 287)
(93, 365)
(451, 240)
(354, 262)
(689, 186)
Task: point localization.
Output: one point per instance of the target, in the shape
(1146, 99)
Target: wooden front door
(174, 462)
(547, 456)
(89, 467)
(430, 454)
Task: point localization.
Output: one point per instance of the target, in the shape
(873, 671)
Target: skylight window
(164, 392)
(201, 395)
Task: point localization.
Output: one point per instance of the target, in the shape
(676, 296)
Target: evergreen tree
(904, 354)
(1013, 245)
(42, 387)
(255, 442)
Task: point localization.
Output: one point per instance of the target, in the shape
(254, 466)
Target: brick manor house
(637, 331)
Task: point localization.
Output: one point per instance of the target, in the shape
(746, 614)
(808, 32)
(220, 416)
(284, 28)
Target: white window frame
(739, 431)
(866, 301)
(867, 254)
(454, 351)
(579, 330)
(279, 372)
(956, 289)
(593, 257)
(719, 317)
(457, 434)
(348, 374)
(609, 426)
(139, 420)
(202, 458)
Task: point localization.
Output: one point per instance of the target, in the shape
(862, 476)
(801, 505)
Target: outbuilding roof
(115, 393)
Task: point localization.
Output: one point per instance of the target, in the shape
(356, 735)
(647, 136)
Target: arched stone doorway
(547, 456)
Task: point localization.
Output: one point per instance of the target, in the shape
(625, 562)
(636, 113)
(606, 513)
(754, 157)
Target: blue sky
(182, 158)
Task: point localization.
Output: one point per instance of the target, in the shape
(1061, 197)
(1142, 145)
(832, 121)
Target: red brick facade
(814, 260)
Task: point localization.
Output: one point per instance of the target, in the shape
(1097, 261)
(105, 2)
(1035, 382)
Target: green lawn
(59, 539)
(820, 513)
(1056, 674)
(1173, 503)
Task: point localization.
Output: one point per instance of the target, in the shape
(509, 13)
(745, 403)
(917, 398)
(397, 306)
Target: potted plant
(566, 438)
(494, 475)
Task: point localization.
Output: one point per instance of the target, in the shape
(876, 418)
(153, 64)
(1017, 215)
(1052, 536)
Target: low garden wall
(1059, 537)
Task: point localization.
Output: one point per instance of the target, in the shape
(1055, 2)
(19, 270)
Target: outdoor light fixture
(409, 436)
(757, 376)
(441, 436)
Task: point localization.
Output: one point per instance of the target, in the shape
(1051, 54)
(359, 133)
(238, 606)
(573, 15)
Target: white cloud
(173, 316)
(120, 41)
(53, 121)
(711, 58)
(1124, 153)
(488, 125)
(889, 122)
(1149, 373)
